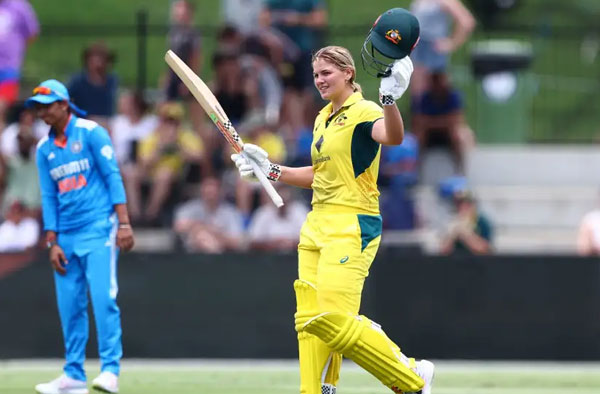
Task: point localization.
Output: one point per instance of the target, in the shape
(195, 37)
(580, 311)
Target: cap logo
(394, 36)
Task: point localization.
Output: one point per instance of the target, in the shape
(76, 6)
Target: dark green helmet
(393, 36)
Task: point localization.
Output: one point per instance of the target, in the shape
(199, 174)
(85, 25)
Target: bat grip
(266, 184)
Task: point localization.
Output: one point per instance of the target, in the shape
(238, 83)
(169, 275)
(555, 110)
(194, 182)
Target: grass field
(254, 377)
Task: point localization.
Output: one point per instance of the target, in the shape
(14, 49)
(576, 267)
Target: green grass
(254, 378)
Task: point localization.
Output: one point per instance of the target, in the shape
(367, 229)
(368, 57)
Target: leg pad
(363, 341)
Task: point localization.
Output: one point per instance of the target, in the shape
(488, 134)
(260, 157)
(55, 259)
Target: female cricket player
(341, 234)
(86, 222)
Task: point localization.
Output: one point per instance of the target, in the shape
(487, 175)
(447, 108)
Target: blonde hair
(341, 58)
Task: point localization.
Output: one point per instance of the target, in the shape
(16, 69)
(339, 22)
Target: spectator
(588, 238)
(185, 40)
(242, 14)
(18, 232)
(236, 92)
(18, 27)
(94, 89)
(23, 118)
(273, 228)
(300, 21)
(238, 95)
(255, 61)
(209, 223)
(438, 119)
(162, 158)
(470, 231)
(21, 179)
(256, 130)
(398, 174)
(132, 124)
(436, 42)
(229, 39)
(399, 162)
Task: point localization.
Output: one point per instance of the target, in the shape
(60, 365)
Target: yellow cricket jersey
(345, 158)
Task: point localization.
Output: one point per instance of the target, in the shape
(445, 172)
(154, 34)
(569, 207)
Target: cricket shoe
(106, 382)
(425, 369)
(62, 385)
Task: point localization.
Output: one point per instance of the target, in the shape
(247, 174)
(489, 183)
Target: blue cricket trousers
(92, 254)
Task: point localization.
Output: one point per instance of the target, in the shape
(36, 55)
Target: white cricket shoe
(62, 385)
(107, 382)
(425, 369)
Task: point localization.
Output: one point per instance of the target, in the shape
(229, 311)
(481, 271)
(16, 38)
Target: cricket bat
(211, 106)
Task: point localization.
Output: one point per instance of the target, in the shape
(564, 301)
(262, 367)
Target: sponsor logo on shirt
(69, 168)
(51, 156)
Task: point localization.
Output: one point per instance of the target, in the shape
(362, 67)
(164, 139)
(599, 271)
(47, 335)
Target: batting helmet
(394, 35)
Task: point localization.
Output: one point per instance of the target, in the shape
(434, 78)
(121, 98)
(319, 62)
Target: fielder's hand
(260, 157)
(394, 86)
(58, 260)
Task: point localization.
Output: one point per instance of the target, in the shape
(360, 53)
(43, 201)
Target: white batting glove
(393, 87)
(260, 157)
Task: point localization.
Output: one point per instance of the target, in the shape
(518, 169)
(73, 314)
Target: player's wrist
(51, 244)
(274, 172)
(124, 225)
(386, 99)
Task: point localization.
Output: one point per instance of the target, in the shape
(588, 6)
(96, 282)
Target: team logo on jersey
(76, 146)
(107, 151)
(51, 156)
(318, 144)
(393, 35)
(340, 120)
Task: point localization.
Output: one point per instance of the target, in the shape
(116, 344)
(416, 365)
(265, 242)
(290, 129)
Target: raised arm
(390, 129)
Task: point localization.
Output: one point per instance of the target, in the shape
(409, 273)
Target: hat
(393, 36)
(50, 91)
(172, 110)
(395, 33)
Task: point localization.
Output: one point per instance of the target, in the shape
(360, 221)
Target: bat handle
(266, 184)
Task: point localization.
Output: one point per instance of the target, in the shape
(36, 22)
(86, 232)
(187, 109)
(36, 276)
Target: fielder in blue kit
(86, 223)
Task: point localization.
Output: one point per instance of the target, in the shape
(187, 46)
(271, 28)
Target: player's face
(52, 113)
(330, 80)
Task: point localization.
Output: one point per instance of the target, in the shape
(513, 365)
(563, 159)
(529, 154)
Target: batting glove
(260, 157)
(393, 87)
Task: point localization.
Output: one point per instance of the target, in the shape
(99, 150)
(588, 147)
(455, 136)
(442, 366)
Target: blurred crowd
(176, 167)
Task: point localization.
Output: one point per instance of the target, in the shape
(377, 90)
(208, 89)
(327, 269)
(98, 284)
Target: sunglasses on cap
(46, 91)
(43, 90)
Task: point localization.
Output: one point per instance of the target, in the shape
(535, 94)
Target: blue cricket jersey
(80, 180)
